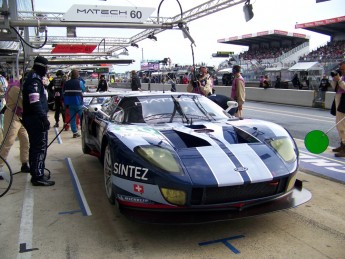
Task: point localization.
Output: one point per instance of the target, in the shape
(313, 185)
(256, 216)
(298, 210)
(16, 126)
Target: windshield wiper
(202, 109)
(177, 106)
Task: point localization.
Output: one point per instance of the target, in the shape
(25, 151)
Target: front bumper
(296, 197)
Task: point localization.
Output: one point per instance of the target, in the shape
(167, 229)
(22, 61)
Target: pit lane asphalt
(66, 222)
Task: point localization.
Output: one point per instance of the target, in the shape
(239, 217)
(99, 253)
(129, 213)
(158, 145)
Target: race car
(179, 157)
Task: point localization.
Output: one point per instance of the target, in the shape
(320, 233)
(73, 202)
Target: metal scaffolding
(33, 24)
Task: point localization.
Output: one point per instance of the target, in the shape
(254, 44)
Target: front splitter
(295, 198)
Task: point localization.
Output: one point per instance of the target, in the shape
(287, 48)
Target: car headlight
(161, 158)
(285, 148)
(176, 197)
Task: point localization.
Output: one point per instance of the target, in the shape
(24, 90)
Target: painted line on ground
(225, 242)
(77, 189)
(323, 164)
(59, 140)
(26, 223)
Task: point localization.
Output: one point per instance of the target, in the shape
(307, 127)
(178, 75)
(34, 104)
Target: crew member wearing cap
(35, 120)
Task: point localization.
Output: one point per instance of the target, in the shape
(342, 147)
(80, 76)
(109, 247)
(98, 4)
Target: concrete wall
(270, 95)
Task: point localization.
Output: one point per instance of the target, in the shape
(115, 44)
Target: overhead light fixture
(134, 45)
(124, 52)
(185, 31)
(152, 37)
(248, 11)
(71, 32)
(5, 31)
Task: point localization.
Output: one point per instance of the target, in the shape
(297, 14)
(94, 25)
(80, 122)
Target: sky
(268, 15)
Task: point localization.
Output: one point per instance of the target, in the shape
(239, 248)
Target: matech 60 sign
(99, 13)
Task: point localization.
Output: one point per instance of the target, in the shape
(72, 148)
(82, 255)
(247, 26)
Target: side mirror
(231, 105)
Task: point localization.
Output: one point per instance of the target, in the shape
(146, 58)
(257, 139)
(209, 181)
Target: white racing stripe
(221, 166)
(257, 170)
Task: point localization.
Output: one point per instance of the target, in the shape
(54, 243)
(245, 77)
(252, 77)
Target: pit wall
(253, 93)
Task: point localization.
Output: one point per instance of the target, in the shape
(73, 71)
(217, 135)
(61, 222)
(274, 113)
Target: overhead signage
(102, 13)
(222, 54)
(73, 48)
(225, 52)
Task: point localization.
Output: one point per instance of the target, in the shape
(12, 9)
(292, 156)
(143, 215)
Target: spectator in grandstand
(135, 81)
(338, 84)
(323, 87)
(238, 91)
(102, 84)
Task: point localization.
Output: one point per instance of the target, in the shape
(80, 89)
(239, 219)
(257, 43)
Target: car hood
(210, 154)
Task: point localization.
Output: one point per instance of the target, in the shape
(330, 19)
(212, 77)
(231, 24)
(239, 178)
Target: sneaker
(56, 125)
(76, 135)
(42, 181)
(25, 168)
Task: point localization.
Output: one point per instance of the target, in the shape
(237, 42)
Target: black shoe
(56, 125)
(41, 182)
(25, 168)
(76, 135)
(338, 149)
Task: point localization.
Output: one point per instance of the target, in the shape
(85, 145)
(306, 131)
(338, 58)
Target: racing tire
(107, 171)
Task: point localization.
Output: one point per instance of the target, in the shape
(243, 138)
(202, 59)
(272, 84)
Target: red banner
(320, 23)
(64, 48)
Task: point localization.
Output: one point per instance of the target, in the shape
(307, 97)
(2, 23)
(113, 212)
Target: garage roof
(328, 27)
(264, 36)
(306, 66)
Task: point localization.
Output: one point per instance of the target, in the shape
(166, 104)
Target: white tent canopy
(306, 66)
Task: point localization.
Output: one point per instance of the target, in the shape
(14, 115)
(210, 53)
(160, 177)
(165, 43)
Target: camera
(335, 72)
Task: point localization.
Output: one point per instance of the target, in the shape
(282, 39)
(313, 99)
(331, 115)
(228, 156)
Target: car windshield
(170, 108)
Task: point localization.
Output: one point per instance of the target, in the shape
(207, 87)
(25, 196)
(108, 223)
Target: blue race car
(172, 157)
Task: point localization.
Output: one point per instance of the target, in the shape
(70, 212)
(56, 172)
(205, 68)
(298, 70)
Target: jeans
(73, 110)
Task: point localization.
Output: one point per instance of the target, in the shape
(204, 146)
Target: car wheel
(107, 170)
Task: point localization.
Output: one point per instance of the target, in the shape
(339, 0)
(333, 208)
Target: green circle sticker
(316, 141)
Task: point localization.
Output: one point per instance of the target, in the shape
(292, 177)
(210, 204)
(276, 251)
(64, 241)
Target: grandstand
(278, 50)
(334, 51)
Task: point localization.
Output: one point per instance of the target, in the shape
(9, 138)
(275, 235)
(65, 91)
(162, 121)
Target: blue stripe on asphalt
(59, 140)
(77, 189)
(225, 241)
